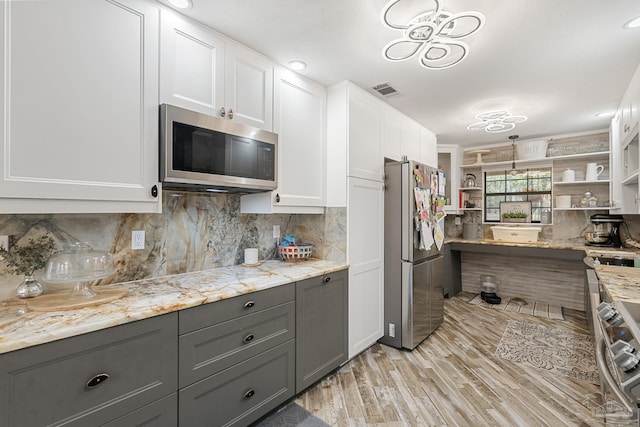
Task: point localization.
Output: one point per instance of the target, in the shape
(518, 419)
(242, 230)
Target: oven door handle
(608, 378)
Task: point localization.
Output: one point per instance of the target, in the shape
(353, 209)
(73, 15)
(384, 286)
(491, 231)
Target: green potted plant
(26, 260)
(514, 217)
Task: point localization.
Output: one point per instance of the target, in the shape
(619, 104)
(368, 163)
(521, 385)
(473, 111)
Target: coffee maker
(605, 231)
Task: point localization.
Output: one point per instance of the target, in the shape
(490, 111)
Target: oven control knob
(609, 314)
(619, 346)
(627, 361)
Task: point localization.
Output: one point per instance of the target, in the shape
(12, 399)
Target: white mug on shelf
(593, 171)
(568, 175)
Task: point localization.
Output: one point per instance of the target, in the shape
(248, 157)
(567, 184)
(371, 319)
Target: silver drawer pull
(249, 393)
(248, 338)
(249, 304)
(97, 380)
(327, 279)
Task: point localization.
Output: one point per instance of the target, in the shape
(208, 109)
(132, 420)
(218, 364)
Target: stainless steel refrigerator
(413, 276)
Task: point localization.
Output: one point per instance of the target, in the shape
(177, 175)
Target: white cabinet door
(204, 72)
(428, 147)
(192, 65)
(300, 122)
(248, 87)
(365, 135)
(365, 256)
(79, 119)
(450, 161)
(392, 126)
(410, 139)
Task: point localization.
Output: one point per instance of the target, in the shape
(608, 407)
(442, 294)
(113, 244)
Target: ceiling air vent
(385, 90)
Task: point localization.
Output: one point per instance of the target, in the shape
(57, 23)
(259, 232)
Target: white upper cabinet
(428, 147)
(205, 72)
(392, 125)
(410, 139)
(365, 135)
(191, 65)
(300, 122)
(79, 119)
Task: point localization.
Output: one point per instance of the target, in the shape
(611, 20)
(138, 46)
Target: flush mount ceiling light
(606, 114)
(181, 4)
(633, 23)
(297, 65)
(496, 122)
(431, 34)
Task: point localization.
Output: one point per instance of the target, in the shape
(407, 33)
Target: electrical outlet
(392, 330)
(4, 243)
(457, 220)
(276, 231)
(137, 239)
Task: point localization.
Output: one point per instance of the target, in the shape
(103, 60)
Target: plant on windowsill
(514, 217)
(26, 260)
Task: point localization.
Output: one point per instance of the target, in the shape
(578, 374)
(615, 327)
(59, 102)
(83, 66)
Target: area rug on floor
(533, 308)
(552, 349)
(292, 415)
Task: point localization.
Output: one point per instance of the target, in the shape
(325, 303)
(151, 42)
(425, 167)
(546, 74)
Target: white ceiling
(556, 62)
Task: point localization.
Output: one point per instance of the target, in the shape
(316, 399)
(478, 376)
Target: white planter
(516, 234)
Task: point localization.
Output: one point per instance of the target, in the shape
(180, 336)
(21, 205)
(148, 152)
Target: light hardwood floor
(453, 379)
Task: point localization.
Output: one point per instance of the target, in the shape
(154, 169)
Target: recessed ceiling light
(297, 65)
(634, 23)
(181, 4)
(605, 114)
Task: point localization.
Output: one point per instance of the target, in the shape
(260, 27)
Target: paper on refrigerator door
(426, 235)
(438, 234)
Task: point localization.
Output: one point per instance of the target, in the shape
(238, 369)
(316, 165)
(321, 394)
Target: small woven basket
(295, 253)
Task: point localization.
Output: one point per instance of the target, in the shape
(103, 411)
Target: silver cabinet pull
(249, 393)
(327, 279)
(230, 114)
(97, 380)
(248, 338)
(249, 304)
(222, 112)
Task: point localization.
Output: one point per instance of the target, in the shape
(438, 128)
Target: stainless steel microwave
(202, 152)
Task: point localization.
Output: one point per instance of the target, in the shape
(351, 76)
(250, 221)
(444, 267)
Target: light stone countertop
(152, 297)
(621, 283)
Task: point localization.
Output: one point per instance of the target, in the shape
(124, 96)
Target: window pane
(526, 185)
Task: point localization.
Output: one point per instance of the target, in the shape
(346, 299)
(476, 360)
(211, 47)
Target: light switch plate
(457, 221)
(276, 231)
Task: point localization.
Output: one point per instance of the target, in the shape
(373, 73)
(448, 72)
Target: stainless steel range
(617, 331)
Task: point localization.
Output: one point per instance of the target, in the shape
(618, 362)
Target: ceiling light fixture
(633, 23)
(513, 138)
(496, 121)
(297, 65)
(181, 4)
(432, 35)
(606, 114)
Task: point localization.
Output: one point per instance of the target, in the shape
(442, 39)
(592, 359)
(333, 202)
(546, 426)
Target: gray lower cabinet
(90, 379)
(161, 413)
(237, 358)
(321, 327)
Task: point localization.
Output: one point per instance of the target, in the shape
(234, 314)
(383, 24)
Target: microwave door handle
(608, 378)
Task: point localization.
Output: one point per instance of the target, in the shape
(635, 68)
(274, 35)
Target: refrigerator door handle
(407, 305)
(407, 219)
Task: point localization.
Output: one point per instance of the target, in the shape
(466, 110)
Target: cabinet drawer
(221, 311)
(57, 383)
(161, 413)
(241, 394)
(210, 350)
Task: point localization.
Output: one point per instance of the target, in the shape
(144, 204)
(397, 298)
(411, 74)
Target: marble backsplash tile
(194, 232)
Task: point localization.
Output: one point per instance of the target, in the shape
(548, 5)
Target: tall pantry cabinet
(355, 167)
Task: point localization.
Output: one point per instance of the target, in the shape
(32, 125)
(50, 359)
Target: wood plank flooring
(453, 379)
